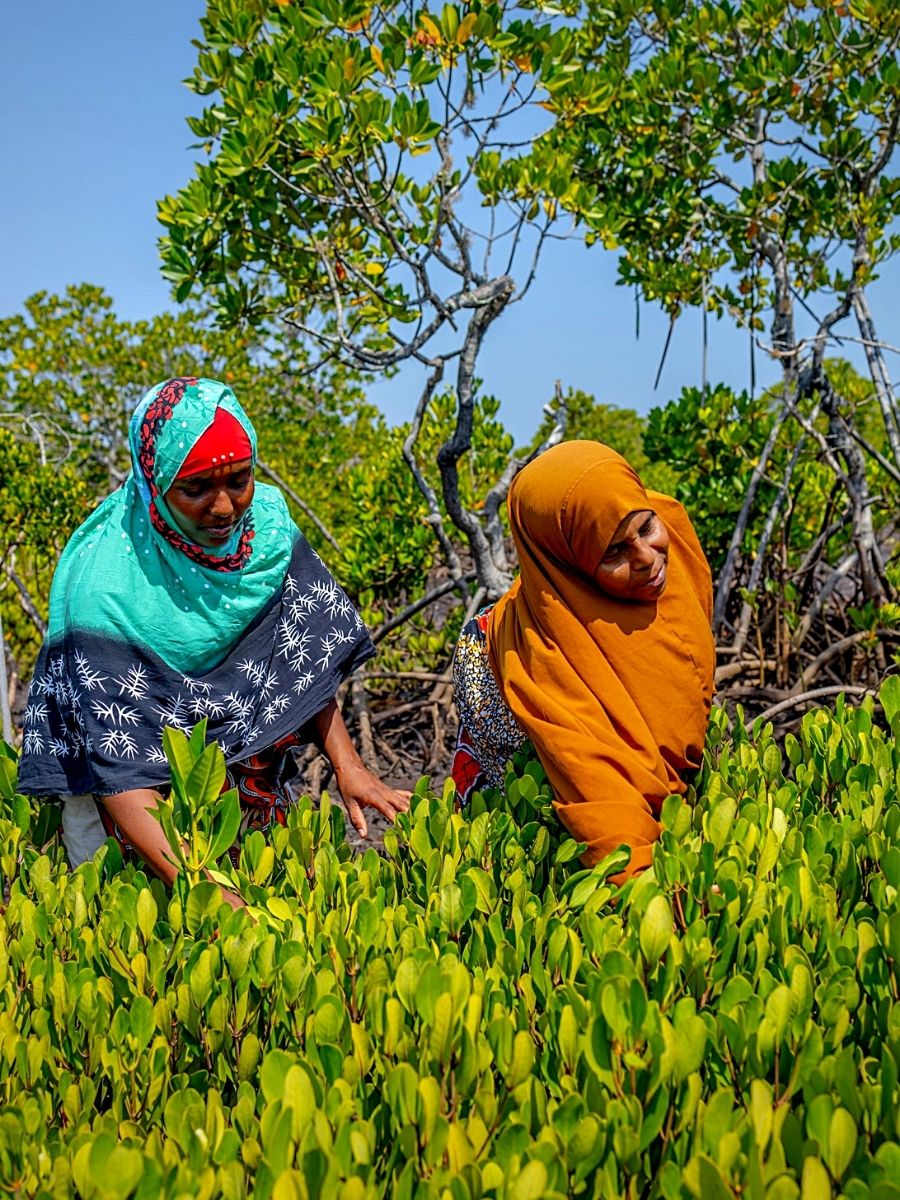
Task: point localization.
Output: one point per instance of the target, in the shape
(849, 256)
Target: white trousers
(82, 830)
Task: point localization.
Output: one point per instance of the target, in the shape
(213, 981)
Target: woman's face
(208, 506)
(634, 565)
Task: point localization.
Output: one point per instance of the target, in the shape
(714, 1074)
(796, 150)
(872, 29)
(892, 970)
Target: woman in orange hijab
(600, 653)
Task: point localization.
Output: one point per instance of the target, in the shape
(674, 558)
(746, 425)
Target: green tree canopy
(744, 162)
(352, 187)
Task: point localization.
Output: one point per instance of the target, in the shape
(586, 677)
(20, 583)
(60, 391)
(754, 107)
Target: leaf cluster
(339, 146)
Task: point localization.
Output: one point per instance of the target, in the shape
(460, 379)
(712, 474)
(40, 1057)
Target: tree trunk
(5, 712)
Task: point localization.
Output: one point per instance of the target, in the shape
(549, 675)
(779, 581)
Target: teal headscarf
(131, 574)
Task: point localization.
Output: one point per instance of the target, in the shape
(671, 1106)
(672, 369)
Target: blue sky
(94, 133)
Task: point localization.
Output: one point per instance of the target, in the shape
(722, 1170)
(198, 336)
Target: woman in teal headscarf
(190, 593)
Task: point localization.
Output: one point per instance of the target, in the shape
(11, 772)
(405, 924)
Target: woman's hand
(361, 789)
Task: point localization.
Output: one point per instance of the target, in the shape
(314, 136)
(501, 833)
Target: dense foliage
(472, 1016)
(71, 372)
(375, 186)
(347, 186)
(743, 157)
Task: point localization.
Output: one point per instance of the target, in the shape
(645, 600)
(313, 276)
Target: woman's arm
(132, 812)
(359, 788)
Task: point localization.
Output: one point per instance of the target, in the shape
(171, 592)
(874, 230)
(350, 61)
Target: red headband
(224, 442)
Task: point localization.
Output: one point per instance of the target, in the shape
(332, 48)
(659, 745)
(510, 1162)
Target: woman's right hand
(361, 789)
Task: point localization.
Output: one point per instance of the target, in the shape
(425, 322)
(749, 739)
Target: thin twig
(838, 647)
(755, 579)
(662, 361)
(364, 721)
(884, 463)
(6, 728)
(434, 518)
(301, 504)
(732, 670)
(399, 618)
(427, 676)
(26, 601)
(723, 587)
(559, 411)
(398, 710)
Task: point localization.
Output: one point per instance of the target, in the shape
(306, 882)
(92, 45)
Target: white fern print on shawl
(97, 709)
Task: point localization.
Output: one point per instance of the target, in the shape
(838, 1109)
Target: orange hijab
(614, 694)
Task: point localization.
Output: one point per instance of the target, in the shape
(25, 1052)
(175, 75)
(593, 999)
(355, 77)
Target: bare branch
(360, 708)
(6, 728)
(857, 486)
(837, 648)
(816, 694)
(493, 575)
(301, 504)
(421, 676)
(888, 538)
(731, 671)
(876, 454)
(497, 495)
(726, 575)
(434, 518)
(410, 611)
(878, 370)
(762, 546)
(25, 600)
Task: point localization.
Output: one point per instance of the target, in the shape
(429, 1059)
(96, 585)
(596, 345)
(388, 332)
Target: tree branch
(494, 576)
(815, 694)
(753, 582)
(400, 618)
(878, 369)
(301, 504)
(434, 518)
(723, 587)
(496, 496)
(836, 648)
(28, 605)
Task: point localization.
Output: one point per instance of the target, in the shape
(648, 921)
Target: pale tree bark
(878, 369)
(5, 713)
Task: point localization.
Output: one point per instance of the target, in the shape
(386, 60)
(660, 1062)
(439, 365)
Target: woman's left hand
(361, 789)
